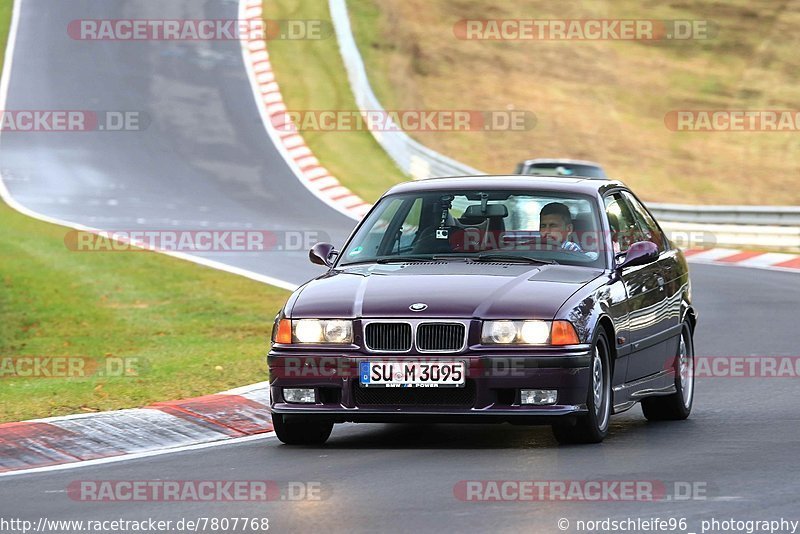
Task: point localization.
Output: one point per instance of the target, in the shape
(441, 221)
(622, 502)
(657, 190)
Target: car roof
(590, 186)
(564, 161)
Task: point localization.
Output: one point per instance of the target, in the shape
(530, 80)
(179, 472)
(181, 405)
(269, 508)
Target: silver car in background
(561, 167)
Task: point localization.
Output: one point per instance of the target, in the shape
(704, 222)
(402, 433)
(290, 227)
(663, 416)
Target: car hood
(449, 289)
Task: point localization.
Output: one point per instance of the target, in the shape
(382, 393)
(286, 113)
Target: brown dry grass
(604, 101)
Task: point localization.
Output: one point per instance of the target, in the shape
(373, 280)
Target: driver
(555, 226)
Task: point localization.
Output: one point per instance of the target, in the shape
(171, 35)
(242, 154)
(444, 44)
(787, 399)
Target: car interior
(484, 228)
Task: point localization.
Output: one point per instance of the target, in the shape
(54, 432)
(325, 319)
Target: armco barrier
(415, 159)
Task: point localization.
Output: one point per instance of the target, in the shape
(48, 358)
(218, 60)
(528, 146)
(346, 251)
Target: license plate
(402, 374)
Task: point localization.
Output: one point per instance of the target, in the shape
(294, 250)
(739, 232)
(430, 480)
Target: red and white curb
(41, 444)
(285, 137)
(774, 261)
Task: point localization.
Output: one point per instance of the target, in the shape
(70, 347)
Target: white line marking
(12, 39)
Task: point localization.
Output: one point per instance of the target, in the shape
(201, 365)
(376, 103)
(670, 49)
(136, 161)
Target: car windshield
(565, 169)
(480, 225)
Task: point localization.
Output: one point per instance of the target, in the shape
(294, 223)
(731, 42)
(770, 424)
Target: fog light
(539, 397)
(299, 395)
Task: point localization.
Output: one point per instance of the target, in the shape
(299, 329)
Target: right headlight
(532, 332)
(336, 331)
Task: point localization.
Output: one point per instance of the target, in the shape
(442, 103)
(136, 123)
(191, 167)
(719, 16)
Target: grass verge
(180, 329)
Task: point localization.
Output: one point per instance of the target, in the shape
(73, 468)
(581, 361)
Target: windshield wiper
(438, 257)
(404, 259)
(392, 259)
(511, 257)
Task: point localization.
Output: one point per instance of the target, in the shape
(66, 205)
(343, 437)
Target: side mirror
(321, 253)
(640, 253)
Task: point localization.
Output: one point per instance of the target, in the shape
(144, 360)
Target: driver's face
(554, 229)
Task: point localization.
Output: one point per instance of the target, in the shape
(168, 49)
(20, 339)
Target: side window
(624, 230)
(647, 225)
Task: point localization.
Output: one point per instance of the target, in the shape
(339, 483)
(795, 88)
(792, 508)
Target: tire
(592, 427)
(677, 406)
(301, 430)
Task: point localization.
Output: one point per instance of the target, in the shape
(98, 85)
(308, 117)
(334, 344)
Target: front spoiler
(495, 387)
(392, 414)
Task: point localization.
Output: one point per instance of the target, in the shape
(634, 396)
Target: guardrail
(413, 158)
(746, 215)
(776, 227)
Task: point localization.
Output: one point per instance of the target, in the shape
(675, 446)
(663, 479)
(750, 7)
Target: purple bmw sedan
(519, 299)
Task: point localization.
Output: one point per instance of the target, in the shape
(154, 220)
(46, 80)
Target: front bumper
(491, 393)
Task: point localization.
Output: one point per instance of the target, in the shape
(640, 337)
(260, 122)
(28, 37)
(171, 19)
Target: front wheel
(592, 427)
(677, 406)
(301, 430)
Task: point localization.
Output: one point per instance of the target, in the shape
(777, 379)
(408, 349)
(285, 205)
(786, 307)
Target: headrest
(583, 222)
(613, 222)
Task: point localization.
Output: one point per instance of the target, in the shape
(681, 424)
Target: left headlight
(338, 331)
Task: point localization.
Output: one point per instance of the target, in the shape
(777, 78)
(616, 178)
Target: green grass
(311, 76)
(599, 100)
(5, 23)
(189, 330)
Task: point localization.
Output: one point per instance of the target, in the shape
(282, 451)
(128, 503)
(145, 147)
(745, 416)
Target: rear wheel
(677, 406)
(301, 430)
(592, 427)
